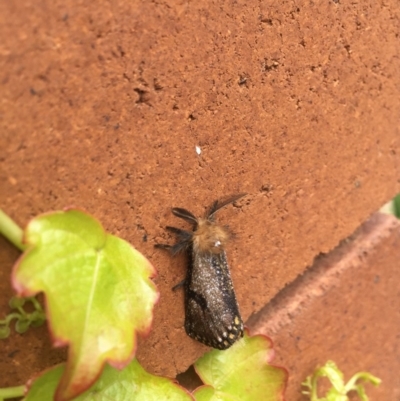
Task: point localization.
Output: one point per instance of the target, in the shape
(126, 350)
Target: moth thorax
(209, 237)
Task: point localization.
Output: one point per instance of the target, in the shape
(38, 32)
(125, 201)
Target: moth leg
(163, 246)
(184, 240)
(173, 249)
(182, 234)
(179, 285)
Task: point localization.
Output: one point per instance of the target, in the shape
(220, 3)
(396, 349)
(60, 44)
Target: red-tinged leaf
(132, 383)
(98, 293)
(241, 373)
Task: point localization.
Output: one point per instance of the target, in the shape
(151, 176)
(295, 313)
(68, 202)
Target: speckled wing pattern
(212, 312)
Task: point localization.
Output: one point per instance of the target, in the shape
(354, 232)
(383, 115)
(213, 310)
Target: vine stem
(396, 206)
(11, 231)
(11, 392)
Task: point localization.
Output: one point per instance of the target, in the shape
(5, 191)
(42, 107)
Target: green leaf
(241, 372)
(98, 293)
(132, 383)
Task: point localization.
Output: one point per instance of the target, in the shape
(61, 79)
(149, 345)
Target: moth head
(209, 237)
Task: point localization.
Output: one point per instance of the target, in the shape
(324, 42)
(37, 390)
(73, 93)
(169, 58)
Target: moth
(211, 311)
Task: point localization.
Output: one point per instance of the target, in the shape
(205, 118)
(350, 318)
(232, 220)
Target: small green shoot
(98, 293)
(339, 390)
(23, 318)
(241, 373)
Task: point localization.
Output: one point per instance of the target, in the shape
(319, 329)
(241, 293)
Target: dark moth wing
(212, 312)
